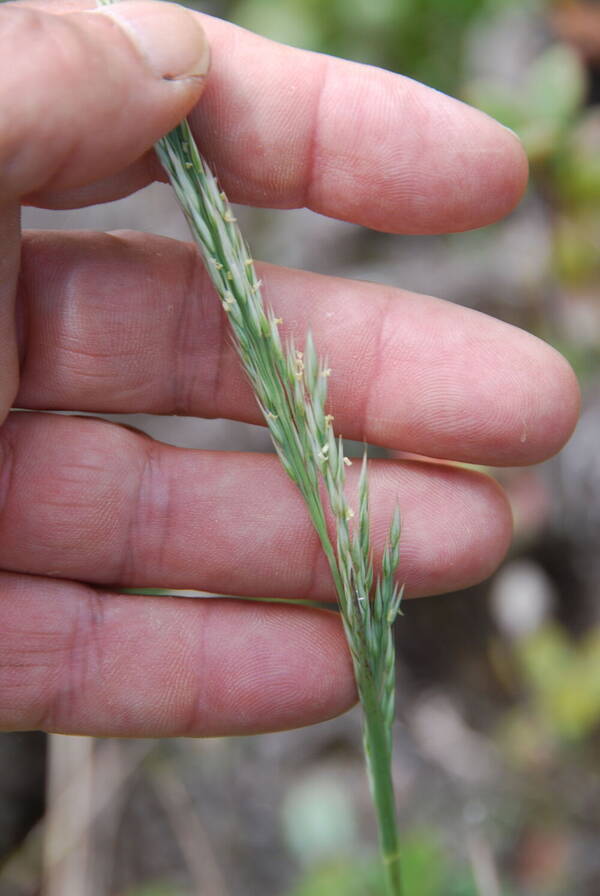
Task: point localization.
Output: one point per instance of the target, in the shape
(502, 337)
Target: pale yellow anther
(349, 513)
(188, 165)
(249, 262)
(272, 416)
(229, 275)
(218, 265)
(231, 219)
(347, 462)
(298, 365)
(277, 321)
(326, 371)
(329, 418)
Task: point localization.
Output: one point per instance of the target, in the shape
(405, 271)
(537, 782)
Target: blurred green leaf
(576, 241)
(555, 86)
(420, 38)
(544, 110)
(347, 878)
(157, 889)
(288, 21)
(564, 679)
(426, 871)
(577, 168)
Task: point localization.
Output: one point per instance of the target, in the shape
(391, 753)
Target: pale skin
(127, 323)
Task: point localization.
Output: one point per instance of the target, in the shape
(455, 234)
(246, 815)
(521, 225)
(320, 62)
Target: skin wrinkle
(143, 511)
(7, 465)
(9, 271)
(309, 180)
(375, 373)
(183, 385)
(202, 659)
(83, 662)
(314, 569)
(22, 318)
(211, 309)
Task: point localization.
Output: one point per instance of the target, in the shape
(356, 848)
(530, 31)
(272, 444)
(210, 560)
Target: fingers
(77, 660)
(84, 94)
(83, 499)
(130, 324)
(287, 128)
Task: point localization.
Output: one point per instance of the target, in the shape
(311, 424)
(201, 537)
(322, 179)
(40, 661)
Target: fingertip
(486, 169)
(166, 36)
(540, 402)
(559, 402)
(282, 683)
(508, 172)
(458, 543)
(493, 525)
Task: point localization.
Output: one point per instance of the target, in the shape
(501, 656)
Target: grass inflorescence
(290, 385)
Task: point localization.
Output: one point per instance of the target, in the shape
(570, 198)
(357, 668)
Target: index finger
(288, 128)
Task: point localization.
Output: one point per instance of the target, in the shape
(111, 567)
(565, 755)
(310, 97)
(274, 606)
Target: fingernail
(167, 36)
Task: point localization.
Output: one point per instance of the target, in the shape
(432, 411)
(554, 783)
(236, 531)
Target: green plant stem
(382, 788)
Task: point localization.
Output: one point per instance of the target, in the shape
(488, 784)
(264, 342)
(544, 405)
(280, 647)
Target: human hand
(128, 323)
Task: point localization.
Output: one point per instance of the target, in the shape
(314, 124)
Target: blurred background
(497, 762)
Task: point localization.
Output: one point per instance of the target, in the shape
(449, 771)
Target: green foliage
(348, 878)
(564, 681)
(577, 167)
(420, 38)
(577, 237)
(546, 105)
(427, 871)
(157, 888)
(561, 709)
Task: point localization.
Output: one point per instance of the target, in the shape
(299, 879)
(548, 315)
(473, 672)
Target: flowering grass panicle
(290, 385)
(291, 388)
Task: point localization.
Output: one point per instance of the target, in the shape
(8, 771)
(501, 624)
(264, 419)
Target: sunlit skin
(127, 323)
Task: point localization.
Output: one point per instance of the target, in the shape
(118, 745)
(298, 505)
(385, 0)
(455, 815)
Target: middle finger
(129, 323)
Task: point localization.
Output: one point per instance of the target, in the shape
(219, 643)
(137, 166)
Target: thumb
(84, 94)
